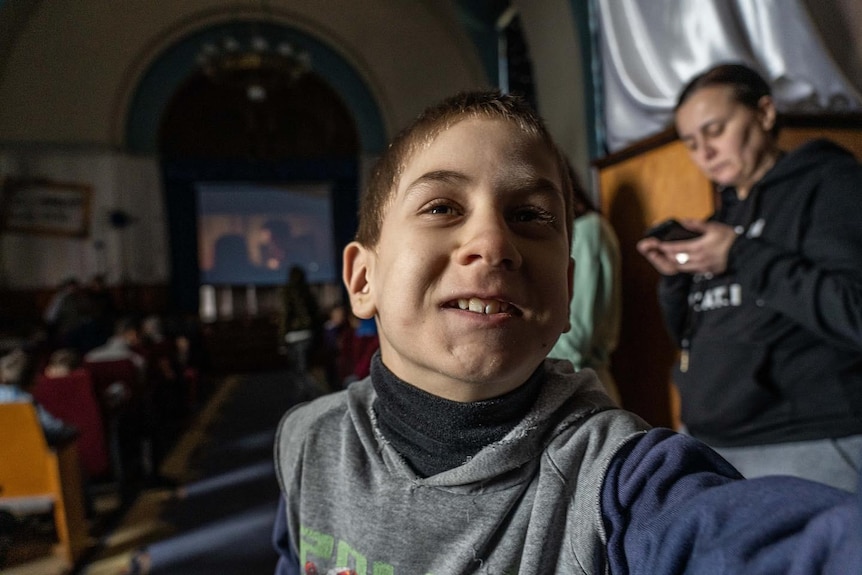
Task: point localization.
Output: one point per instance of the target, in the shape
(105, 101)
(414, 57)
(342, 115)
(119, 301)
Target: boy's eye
(440, 209)
(533, 214)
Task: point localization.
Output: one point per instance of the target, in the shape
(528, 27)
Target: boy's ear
(357, 260)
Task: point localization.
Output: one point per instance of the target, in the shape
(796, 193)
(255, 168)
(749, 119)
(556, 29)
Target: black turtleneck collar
(435, 434)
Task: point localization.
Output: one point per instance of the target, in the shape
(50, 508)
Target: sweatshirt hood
(566, 400)
(805, 158)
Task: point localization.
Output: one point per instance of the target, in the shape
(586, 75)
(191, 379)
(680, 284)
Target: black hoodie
(775, 343)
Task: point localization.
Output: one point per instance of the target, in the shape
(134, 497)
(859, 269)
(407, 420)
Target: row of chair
(35, 477)
(97, 399)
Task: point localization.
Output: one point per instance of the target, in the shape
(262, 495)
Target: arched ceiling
(176, 74)
(77, 73)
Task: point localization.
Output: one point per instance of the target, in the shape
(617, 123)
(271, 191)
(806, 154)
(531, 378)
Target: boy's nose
(490, 241)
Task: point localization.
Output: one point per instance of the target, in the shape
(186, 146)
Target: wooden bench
(33, 475)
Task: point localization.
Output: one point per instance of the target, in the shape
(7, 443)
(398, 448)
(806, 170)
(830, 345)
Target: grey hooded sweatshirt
(527, 504)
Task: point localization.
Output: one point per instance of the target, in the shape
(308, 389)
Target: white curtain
(651, 48)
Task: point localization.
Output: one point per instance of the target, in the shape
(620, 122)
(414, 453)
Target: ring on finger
(682, 258)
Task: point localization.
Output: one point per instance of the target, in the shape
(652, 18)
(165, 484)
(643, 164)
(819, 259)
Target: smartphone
(671, 231)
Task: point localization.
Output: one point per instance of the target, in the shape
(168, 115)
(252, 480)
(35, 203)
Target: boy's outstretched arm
(671, 505)
(288, 563)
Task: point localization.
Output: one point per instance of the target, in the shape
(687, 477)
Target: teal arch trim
(586, 24)
(479, 20)
(175, 64)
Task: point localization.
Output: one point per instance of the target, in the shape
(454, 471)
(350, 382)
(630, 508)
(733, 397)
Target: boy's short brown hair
(489, 104)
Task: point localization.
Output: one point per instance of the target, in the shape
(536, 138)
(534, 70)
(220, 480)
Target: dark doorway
(252, 123)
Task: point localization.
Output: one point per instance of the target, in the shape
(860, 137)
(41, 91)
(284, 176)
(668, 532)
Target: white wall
(549, 29)
(136, 254)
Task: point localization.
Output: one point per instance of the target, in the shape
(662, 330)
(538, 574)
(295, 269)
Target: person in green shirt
(596, 306)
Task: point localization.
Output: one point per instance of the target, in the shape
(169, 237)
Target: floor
(218, 518)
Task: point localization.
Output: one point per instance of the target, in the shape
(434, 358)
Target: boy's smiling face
(471, 278)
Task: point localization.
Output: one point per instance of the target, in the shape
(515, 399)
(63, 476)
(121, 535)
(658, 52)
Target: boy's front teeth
(480, 306)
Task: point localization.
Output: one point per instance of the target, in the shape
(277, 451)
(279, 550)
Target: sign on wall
(45, 207)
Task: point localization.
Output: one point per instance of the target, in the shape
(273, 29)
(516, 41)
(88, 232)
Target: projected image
(251, 233)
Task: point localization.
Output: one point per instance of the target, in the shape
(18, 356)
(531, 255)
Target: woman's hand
(656, 253)
(706, 254)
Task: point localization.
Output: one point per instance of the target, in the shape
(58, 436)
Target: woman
(595, 309)
(766, 305)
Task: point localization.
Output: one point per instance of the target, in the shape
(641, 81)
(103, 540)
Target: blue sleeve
(288, 562)
(671, 505)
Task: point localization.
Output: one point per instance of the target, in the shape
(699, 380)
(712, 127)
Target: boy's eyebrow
(531, 183)
(445, 176)
(536, 184)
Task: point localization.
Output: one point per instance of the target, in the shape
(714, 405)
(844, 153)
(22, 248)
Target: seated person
(62, 362)
(158, 350)
(16, 379)
(466, 450)
(166, 378)
(128, 401)
(121, 345)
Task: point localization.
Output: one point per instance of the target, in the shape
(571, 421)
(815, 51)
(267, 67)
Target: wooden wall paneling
(850, 138)
(636, 192)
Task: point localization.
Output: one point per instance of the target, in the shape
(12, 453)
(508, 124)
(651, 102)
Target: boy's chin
(492, 376)
(471, 371)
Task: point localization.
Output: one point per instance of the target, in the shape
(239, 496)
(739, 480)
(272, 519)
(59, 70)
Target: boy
(466, 451)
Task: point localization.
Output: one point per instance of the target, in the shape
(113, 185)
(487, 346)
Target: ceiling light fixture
(255, 64)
